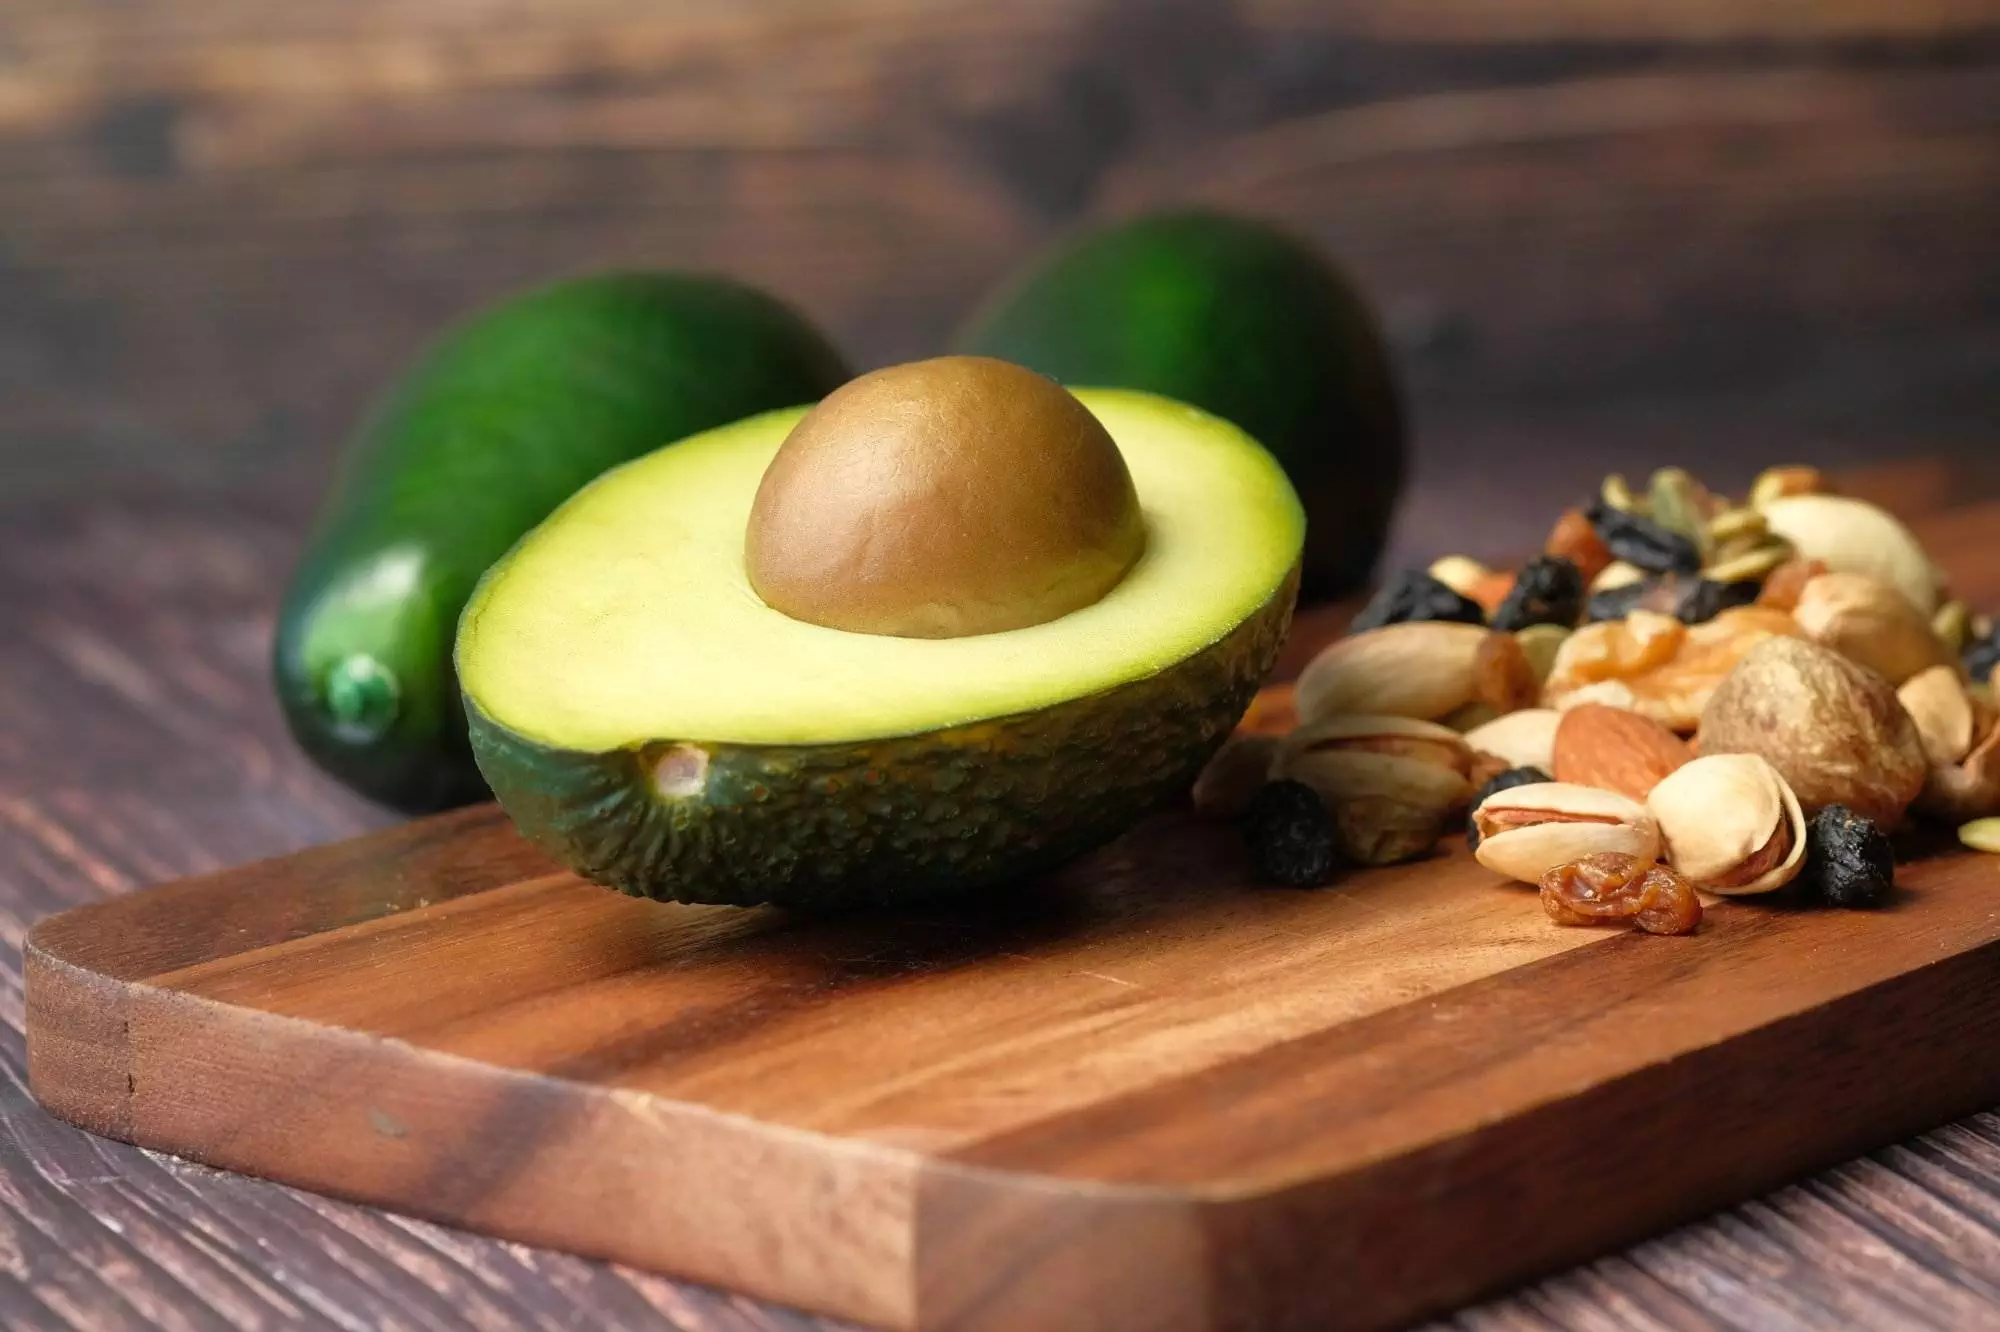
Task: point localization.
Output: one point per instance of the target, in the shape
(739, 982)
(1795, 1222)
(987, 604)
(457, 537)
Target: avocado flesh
(642, 715)
(1242, 320)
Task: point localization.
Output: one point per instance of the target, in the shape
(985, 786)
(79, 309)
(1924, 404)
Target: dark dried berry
(1504, 781)
(1640, 541)
(1615, 603)
(1414, 595)
(1289, 835)
(1547, 590)
(1982, 656)
(1849, 862)
(1706, 599)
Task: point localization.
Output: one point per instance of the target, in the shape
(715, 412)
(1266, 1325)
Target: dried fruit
(1502, 677)
(1547, 590)
(1415, 595)
(1981, 658)
(1642, 542)
(1946, 717)
(1289, 835)
(1853, 536)
(1787, 581)
(1491, 590)
(1614, 750)
(1526, 739)
(1422, 670)
(1274, 711)
(1707, 598)
(1730, 824)
(1504, 780)
(1390, 783)
(1615, 603)
(1849, 861)
(1982, 835)
(1528, 830)
(1869, 622)
(1575, 540)
(1234, 776)
(1776, 483)
(1613, 889)
(1656, 666)
(1834, 730)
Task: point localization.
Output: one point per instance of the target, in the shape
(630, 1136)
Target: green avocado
(498, 423)
(1242, 321)
(644, 716)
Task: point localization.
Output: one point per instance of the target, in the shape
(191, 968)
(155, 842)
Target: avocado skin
(1243, 321)
(885, 822)
(499, 421)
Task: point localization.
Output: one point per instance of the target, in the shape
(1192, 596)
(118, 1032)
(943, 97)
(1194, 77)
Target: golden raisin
(1502, 676)
(1611, 888)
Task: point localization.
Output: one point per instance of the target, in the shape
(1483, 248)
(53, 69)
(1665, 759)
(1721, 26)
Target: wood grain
(136, 744)
(224, 224)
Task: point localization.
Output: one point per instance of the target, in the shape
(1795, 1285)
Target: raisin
(1614, 603)
(1640, 541)
(1289, 835)
(1414, 595)
(1982, 657)
(1611, 888)
(1507, 780)
(1547, 590)
(1707, 599)
(1849, 862)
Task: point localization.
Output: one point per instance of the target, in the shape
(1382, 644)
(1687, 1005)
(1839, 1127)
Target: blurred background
(1601, 232)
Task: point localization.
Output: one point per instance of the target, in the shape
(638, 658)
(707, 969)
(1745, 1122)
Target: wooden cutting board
(1140, 1095)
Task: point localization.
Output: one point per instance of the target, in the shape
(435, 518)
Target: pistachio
(1953, 625)
(1422, 669)
(1982, 835)
(1869, 622)
(1540, 643)
(1729, 823)
(1834, 731)
(1853, 536)
(1776, 483)
(1399, 737)
(1460, 573)
(1525, 739)
(1526, 831)
(1968, 789)
(1946, 717)
(1386, 808)
(1233, 776)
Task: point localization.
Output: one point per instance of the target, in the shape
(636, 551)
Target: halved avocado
(644, 716)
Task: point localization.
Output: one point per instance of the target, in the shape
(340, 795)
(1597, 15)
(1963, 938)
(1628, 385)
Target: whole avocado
(1245, 322)
(498, 422)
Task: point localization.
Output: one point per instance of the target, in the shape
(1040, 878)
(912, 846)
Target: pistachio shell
(1403, 737)
(1854, 536)
(1385, 807)
(1526, 739)
(1577, 821)
(1233, 776)
(1717, 813)
(1421, 670)
(1966, 790)
(1944, 713)
(1868, 621)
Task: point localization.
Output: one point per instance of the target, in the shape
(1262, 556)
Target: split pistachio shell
(1527, 831)
(1730, 824)
(1401, 737)
(1968, 789)
(1422, 670)
(1947, 721)
(1854, 536)
(1386, 807)
(1525, 739)
(1870, 622)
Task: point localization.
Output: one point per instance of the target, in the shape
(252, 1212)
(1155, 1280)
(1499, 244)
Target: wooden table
(138, 742)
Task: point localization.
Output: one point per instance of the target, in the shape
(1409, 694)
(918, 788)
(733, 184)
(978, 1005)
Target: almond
(1615, 750)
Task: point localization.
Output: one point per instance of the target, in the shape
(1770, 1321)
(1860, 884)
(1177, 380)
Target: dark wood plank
(222, 224)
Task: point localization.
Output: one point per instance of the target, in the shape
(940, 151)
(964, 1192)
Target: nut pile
(1683, 696)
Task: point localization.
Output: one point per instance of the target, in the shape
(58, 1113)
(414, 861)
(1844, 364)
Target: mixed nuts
(1681, 696)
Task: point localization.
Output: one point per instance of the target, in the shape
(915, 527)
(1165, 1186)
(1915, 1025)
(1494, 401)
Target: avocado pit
(943, 499)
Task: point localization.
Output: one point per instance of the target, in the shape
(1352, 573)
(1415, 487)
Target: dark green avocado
(499, 422)
(1243, 321)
